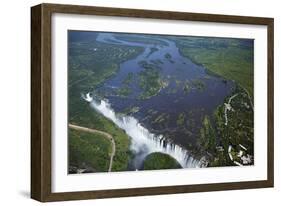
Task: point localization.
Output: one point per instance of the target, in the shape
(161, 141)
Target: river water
(168, 136)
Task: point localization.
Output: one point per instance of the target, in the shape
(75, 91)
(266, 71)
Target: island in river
(143, 102)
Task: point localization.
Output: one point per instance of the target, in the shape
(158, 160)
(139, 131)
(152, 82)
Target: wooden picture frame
(41, 117)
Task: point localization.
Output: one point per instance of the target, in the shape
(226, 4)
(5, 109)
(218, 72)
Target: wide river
(169, 104)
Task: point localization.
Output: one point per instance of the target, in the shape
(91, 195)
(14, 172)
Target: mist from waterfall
(143, 142)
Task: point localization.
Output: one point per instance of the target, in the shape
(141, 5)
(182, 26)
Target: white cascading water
(142, 138)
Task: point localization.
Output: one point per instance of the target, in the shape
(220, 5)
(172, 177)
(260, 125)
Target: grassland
(157, 160)
(90, 64)
(93, 62)
(229, 58)
(95, 153)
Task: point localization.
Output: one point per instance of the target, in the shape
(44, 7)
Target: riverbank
(168, 93)
(90, 64)
(234, 126)
(231, 59)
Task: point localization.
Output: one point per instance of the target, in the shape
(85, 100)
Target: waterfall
(144, 142)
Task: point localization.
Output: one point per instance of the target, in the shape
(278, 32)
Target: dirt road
(105, 134)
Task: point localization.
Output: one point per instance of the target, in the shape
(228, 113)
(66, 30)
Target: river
(167, 136)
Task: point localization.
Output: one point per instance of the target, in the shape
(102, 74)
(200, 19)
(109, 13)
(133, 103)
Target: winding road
(105, 134)
(228, 107)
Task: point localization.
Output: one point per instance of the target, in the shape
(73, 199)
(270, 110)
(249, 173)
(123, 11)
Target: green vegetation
(159, 121)
(150, 80)
(129, 78)
(181, 119)
(124, 91)
(147, 39)
(152, 50)
(186, 87)
(157, 160)
(163, 117)
(239, 130)
(157, 61)
(130, 110)
(87, 117)
(169, 57)
(207, 136)
(90, 64)
(146, 65)
(229, 58)
(88, 151)
(198, 84)
(93, 62)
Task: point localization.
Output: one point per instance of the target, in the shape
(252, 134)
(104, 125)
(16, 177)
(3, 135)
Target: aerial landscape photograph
(139, 102)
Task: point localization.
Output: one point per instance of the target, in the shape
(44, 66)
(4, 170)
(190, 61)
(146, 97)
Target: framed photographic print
(130, 102)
